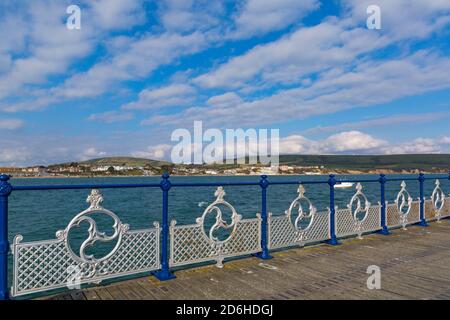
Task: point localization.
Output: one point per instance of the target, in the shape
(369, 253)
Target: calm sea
(39, 214)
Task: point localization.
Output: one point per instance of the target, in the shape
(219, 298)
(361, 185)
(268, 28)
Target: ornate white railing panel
(358, 218)
(436, 204)
(283, 232)
(52, 264)
(192, 244)
(404, 211)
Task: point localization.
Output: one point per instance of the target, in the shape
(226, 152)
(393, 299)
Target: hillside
(368, 162)
(124, 161)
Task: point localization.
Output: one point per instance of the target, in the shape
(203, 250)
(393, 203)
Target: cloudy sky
(139, 69)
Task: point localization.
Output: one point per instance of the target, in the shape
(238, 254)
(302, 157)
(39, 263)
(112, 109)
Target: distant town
(88, 170)
(289, 165)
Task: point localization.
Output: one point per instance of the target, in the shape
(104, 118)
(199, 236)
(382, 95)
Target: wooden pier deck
(415, 264)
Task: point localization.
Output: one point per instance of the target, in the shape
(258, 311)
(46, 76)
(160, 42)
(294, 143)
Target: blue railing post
(333, 239)
(384, 229)
(5, 191)
(264, 254)
(165, 274)
(423, 221)
(446, 200)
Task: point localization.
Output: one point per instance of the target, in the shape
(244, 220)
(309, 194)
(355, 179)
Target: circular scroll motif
(403, 201)
(301, 214)
(94, 235)
(358, 198)
(220, 223)
(438, 199)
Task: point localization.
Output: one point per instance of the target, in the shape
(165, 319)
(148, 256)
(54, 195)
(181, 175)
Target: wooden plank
(104, 294)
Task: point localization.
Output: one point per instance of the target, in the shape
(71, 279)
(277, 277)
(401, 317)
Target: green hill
(125, 161)
(366, 162)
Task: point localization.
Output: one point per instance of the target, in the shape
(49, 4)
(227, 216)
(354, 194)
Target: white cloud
(52, 47)
(368, 83)
(334, 42)
(417, 146)
(297, 144)
(356, 142)
(258, 17)
(92, 152)
(187, 15)
(116, 14)
(111, 116)
(168, 96)
(12, 156)
(154, 152)
(351, 141)
(225, 100)
(403, 19)
(293, 57)
(344, 142)
(412, 119)
(136, 61)
(10, 124)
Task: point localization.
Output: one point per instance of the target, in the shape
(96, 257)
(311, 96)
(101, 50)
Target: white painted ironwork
(297, 203)
(438, 200)
(192, 244)
(349, 222)
(403, 200)
(404, 211)
(357, 197)
(394, 218)
(283, 232)
(45, 265)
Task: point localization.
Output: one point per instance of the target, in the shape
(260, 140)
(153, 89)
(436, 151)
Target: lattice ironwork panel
(193, 243)
(51, 264)
(414, 215)
(189, 243)
(347, 225)
(394, 219)
(446, 210)
(392, 216)
(282, 232)
(430, 211)
(41, 266)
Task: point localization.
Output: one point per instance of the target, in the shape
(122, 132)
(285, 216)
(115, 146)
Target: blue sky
(138, 69)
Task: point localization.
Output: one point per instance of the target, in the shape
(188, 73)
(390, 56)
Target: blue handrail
(165, 185)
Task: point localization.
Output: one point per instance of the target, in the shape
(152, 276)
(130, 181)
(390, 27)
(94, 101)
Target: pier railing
(53, 264)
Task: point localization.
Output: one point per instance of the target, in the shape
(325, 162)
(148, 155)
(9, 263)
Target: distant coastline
(288, 165)
(374, 172)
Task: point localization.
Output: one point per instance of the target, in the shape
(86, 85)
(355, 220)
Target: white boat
(344, 185)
